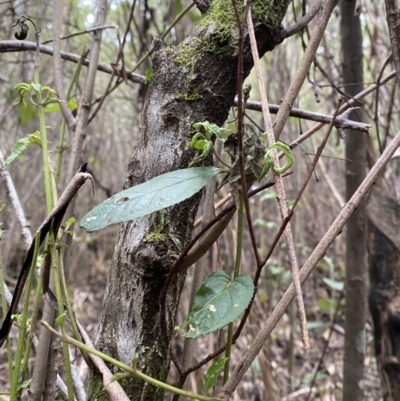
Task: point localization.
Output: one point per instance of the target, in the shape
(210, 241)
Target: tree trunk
(193, 82)
(384, 297)
(356, 283)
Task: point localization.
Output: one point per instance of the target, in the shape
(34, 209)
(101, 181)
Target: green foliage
(327, 305)
(218, 302)
(269, 159)
(202, 139)
(27, 106)
(72, 105)
(27, 113)
(21, 145)
(149, 74)
(25, 92)
(158, 193)
(213, 372)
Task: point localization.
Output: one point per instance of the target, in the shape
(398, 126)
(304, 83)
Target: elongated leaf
(213, 372)
(21, 145)
(218, 302)
(160, 192)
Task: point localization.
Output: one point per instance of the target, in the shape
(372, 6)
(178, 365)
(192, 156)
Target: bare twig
(349, 103)
(341, 121)
(84, 32)
(281, 193)
(301, 73)
(307, 18)
(16, 45)
(14, 199)
(86, 100)
(66, 112)
(318, 253)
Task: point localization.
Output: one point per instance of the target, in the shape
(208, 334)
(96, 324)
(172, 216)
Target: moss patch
(219, 34)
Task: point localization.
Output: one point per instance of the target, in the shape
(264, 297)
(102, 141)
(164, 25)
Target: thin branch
(280, 189)
(96, 28)
(341, 121)
(66, 112)
(86, 100)
(349, 103)
(300, 25)
(14, 199)
(23, 45)
(301, 73)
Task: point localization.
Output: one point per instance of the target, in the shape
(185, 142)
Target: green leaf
(289, 157)
(149, 75)
(21, 145)
(55, 106)
(276, 269)
(27, 112)
(336, 285)
(25, 384)
(156, 194)
(327, 305)
(60, 320)
(213, 372)
(36, 86)
(218, 302)
(211, 129)
(69, 223)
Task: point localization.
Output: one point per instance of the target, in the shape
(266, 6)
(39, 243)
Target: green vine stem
(35, 311)
(60, 307)
(23, 325)
(239, 243)
(132, 370)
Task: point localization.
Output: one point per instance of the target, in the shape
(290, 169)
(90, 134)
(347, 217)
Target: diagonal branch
(301, 73)
(306, 19)
(280, 188)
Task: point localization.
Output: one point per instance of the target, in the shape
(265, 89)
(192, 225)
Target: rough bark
(356, 282)
(384, 297)
(195, 81)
